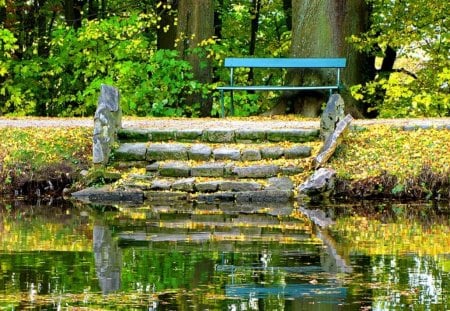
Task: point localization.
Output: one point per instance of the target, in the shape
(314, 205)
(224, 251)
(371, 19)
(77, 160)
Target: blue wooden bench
(287, 63)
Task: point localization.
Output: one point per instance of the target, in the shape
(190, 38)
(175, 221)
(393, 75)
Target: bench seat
(284, 63)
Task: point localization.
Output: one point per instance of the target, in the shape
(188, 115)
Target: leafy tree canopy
(416, 33)
(54, 56)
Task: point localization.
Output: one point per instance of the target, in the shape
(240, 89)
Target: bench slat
(234, 62)
(276, 88)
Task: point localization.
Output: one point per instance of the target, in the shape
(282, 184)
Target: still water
(182, 257)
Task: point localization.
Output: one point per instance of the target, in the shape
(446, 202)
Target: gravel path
(232, 123)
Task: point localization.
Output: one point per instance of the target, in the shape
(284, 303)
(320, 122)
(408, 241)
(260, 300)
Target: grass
(33, 154)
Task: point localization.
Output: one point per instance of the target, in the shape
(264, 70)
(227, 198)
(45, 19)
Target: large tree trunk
(320, 29)
(195, 24)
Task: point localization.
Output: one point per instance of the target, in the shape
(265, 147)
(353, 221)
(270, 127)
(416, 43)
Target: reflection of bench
(324, 293)
(283, 63)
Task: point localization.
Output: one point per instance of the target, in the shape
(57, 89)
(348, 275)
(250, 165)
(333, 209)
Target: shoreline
(384, 184)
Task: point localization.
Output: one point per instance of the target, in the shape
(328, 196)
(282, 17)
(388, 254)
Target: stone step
(217, 135)
(202, 185)
(207, 152)
(182, 169)
(274, 189)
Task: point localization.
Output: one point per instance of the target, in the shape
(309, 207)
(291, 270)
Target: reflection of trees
(406, 279)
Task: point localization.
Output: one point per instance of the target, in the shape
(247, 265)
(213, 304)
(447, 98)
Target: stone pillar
(333, 113)
(107, 121)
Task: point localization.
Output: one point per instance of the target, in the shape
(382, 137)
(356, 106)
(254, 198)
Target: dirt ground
(213, 123)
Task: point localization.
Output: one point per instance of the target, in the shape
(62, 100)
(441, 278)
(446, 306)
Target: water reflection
(108, 259)
(176, 257)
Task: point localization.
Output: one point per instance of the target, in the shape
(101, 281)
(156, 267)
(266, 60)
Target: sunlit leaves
(402, 153)
(374, 237)
(418, 32)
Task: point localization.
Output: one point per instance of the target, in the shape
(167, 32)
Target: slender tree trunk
(218, 19)
(92, 9)
(253, 32)
(287, 8)
(320, 29)
(72, 12)
(167, 31)
(195, 24)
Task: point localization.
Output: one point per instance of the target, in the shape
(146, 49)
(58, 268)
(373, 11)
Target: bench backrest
(235, 62)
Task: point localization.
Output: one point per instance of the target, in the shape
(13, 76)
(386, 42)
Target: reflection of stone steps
(212, 165)
(163, 224)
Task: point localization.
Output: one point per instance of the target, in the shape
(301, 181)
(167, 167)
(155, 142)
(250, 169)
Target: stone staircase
(213, 165)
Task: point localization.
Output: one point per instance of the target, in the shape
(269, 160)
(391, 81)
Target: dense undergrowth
(375, 162)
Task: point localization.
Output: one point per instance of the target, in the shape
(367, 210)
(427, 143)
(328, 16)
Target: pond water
(184, 257)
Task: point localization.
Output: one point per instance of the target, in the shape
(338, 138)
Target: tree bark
(320, 29)
(195, 24)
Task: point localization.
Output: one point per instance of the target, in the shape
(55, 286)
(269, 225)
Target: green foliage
(418, 31)
(60, 73)
(113, 51)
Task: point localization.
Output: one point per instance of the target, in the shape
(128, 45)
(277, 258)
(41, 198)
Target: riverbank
(397, 158)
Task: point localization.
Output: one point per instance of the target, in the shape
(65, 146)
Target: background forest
(166, 56)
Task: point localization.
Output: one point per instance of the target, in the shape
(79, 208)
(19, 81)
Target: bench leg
(222, 107)
(231, 104)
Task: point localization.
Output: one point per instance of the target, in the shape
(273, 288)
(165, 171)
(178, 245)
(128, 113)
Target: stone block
(154, 167)
(160, 152)
(321, 181)
(279, 183)
(199, 152)
(239, 186)
(207, 186)
(272, 152)
(297, 152)
(107, 194)
(107, 122)
(251, 155)
(250, 135)
(293, 135)
(131, 152)
(174, 169)
(161, 135)
(215, 169)
(291, 170)
(188, 135)
(216, 197)
(332, 142)
(137, 135)
(160, 184)
(165, 196)
(256, 171)
(264, 196)
(332, 114)
(227, 154)
(218, 136)
(184, 184)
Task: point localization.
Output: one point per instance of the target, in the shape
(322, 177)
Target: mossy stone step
(218, 135)
(200, 185)
(224, 169)
(204, 152)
